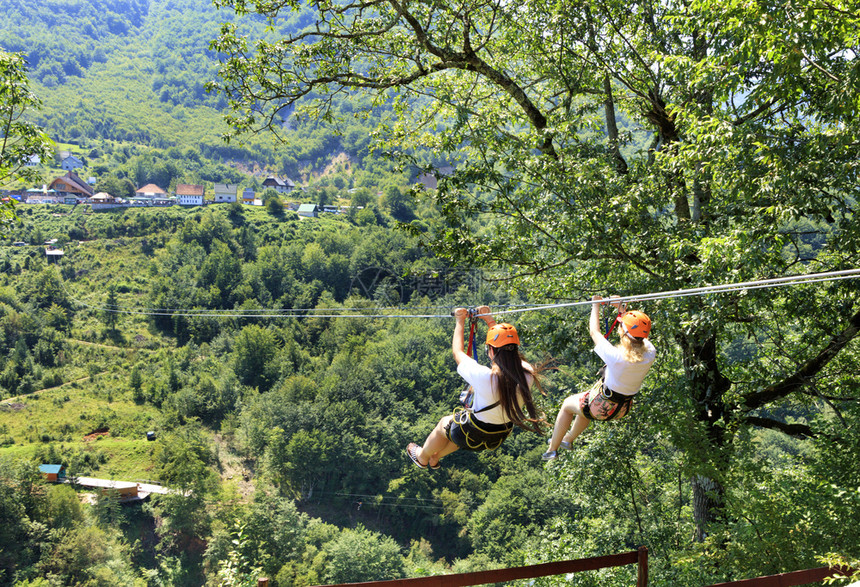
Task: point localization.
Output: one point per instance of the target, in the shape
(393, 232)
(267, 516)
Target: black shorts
(470, 433)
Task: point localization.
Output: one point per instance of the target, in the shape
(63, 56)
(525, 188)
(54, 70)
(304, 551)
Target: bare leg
(561, 431)
(579, 425)
(437, 444)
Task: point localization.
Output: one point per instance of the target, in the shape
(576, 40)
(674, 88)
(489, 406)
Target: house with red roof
(189, 194)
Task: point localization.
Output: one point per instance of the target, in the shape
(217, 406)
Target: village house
(151, 195)
(123, 490)
(70, 163)
(248, 196)
(53, 254)
(71, 185)
(53, 473)
(189, 194)
(226, 193)
(151, 191)
(102, 198)
(42, 196)
(282, 186)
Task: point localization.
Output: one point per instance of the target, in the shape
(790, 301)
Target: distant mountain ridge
(126, 76)
(123, 70)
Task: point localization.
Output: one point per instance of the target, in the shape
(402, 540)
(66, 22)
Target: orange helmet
(638, 324)
(501, 335)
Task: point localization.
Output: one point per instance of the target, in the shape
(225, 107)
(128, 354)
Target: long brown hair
(511, 377)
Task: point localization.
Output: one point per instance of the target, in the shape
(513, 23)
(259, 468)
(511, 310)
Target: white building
(189, 194)
(225, 193)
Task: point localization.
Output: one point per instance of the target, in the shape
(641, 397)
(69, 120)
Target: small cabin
(53, 473)
(308, 210)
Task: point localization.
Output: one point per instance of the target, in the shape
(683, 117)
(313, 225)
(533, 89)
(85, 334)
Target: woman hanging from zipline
(626, 365)
(499, 395)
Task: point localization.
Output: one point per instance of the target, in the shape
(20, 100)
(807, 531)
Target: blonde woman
(626, 365)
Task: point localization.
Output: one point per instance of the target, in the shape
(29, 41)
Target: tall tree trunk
(707, 503)
(708, 387)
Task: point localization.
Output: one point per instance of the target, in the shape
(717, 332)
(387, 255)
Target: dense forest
(273, 424)
(288, 433)
(282, 364)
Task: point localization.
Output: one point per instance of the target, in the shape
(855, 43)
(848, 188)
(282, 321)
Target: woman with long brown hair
(626, 365)
(501, 396)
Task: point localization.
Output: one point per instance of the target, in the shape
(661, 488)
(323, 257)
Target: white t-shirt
(481, 380)
(621, 376)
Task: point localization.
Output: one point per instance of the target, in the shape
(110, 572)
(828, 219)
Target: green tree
(20, 138)
(63, 507)
(398, 203)
(275, 207)
(630, 148)
(109, 313)
(119, 187)
(89, 555)
(135, 381)
(108, 510)
(254, 352)
(361, 555)
(45, 289)
(269, 194)
(183, 461)
(361, 197)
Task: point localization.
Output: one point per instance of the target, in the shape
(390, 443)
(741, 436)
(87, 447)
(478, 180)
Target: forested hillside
(260, 418)
(128, 76)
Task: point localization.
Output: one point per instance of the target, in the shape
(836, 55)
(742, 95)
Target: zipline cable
(696, 291)
(390, 313)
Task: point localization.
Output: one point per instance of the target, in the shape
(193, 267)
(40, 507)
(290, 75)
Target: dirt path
(18, 397)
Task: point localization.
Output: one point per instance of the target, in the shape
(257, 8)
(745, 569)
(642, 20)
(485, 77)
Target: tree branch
(803, 376)
(796, 430)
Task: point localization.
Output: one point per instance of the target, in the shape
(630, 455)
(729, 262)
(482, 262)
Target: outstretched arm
(594, 320)
(460, 315)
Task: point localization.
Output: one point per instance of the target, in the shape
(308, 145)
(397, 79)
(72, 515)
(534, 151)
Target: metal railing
(637, 557)
(791, 579)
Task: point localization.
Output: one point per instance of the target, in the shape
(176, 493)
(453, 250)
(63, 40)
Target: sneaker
(549, 455)
(564, 444)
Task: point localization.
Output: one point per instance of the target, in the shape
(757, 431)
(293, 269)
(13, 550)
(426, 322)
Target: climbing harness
(466, 430)
(469, 433)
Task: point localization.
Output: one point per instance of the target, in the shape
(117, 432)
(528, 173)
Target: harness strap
(619, 399)
(485, 408)
(470, 349)
(614, 322)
